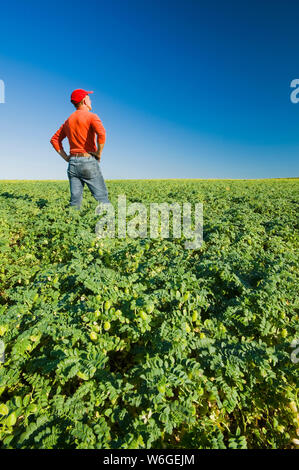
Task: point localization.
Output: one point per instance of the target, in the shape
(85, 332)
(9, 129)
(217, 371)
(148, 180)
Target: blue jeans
(83, 170)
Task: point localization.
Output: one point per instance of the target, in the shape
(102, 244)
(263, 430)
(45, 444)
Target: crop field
(141, 343)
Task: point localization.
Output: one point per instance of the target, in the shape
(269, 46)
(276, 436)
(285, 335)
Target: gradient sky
(185, 89)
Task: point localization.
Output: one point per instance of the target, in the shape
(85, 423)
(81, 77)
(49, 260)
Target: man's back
(81, 129)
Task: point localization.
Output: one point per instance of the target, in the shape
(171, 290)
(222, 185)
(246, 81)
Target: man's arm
(101, 135)
(64, 155)
(56, 141)
(99, 150)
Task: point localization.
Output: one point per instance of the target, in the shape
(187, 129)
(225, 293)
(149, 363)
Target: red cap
(79, 94)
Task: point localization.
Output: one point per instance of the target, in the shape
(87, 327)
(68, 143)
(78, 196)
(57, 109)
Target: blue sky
(185, 89)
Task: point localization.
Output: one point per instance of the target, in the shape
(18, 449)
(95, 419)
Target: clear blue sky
(185, 89)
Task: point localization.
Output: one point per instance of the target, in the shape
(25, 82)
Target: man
(84, 130)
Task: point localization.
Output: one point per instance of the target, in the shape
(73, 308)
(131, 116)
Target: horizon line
(166, 179)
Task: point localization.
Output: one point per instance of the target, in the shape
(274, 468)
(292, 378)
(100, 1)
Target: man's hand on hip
(64, 155)
(96, 155)
(100, 149)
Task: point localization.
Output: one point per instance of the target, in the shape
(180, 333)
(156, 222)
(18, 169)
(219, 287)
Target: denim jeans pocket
(87, 170)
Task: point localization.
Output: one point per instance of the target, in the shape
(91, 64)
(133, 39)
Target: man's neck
(82, 108)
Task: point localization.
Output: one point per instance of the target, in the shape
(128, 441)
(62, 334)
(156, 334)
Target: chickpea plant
(141, 343)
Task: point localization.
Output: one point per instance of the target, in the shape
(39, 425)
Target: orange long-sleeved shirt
(81, 129)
